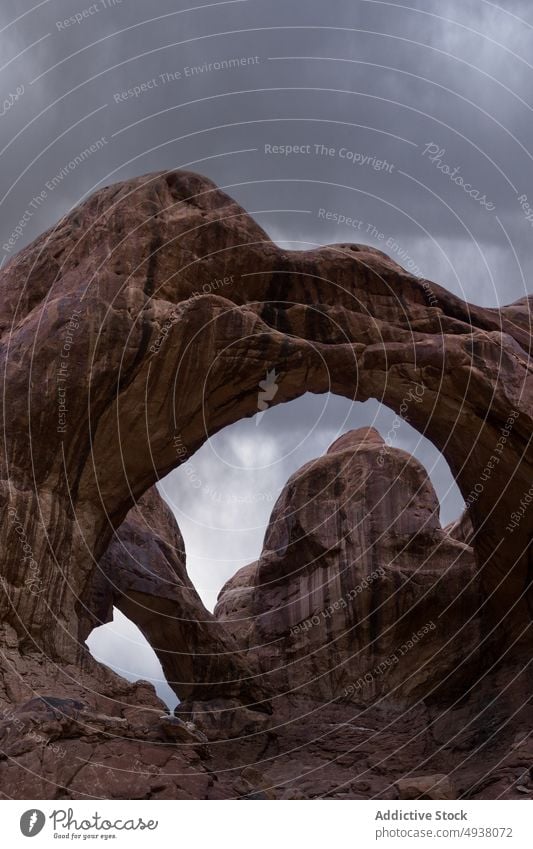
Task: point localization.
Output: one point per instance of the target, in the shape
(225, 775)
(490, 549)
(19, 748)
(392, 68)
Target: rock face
(143, 574)
(358, 592)
(140, 325)
(425, 787)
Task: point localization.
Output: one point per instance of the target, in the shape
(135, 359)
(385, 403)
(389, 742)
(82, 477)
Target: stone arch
(158, 307)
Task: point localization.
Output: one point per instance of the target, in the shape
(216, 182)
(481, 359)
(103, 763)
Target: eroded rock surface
(359, 592)
(144, 322)
(143, 574)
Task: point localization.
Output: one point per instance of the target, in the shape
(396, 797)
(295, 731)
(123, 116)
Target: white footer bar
(268, 825)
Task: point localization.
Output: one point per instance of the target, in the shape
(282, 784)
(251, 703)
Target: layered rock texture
(369, 652)
(355, 572)
(143, 574)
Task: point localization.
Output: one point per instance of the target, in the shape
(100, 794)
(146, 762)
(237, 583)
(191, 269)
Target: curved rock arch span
(147, 319)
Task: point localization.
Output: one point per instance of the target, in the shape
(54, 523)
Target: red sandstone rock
(143, 573)
(143, 323)
(358, 592)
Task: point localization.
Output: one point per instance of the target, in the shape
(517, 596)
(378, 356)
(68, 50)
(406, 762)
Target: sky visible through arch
(223, 496)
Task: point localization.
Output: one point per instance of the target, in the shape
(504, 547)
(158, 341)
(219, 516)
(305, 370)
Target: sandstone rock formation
(136, 328)
(143, 574)
(358, 592)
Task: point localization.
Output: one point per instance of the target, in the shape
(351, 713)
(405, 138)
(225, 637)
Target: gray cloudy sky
(414, 86)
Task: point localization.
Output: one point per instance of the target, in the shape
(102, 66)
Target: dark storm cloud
(389, 104)
(378, 79)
